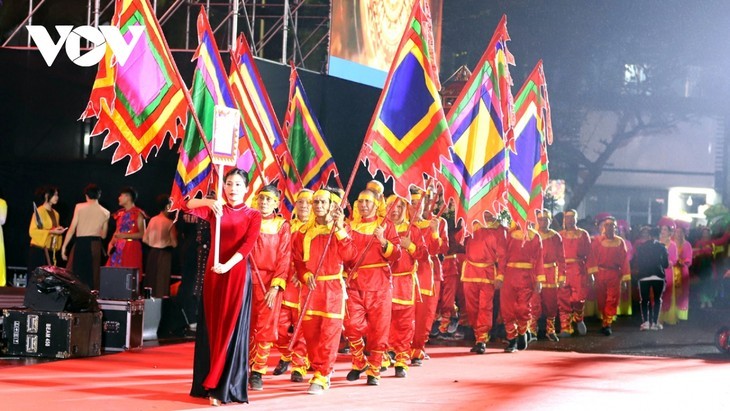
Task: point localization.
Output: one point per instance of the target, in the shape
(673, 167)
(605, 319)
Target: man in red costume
(553, 259)
(271, 258)
(403, 314)
(369, 288)
(522, 269)
(572, 295)
(324, 291)
(451, 287)
(430, 275)
(485, 248)
(289, 314)
(611, 271)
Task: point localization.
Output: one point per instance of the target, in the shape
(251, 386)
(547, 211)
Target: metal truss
(302, 26)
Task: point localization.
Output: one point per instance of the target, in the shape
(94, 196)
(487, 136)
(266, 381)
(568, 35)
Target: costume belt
(479, 265)
(572, 260)
(375, 265)
(449, 257)
(329, 277)
(520, 265)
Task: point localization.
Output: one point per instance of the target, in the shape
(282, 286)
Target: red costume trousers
(425, 314)
(368, 315)
(608, 289)
(547, 306)
(535, 312)
(402, 327)
(322, 336)
(447, 298)
(288, 317)
(572, 297)
(479, 299)
(263, 329)
(515, 296)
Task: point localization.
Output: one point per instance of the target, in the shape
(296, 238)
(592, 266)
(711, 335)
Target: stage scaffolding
(300, 27)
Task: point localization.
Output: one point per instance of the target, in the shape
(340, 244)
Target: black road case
(51, 334)
(123, 323)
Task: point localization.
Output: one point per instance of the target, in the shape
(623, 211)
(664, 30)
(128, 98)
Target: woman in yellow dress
(3, 216)
(45, 230)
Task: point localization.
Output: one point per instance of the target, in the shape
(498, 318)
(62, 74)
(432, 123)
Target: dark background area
(41, 143)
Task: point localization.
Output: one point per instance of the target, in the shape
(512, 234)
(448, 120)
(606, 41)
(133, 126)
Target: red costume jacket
(429, 265)
(373, 273)
(553, 258)
(610, 256)
(272, 253)
(523, 254)
(404, 269)
(484, 250)
(308, 244)
(577, 246)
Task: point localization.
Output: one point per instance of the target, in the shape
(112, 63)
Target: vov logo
(71, 37)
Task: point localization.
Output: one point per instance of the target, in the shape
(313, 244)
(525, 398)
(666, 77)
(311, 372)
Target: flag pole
(242, 42)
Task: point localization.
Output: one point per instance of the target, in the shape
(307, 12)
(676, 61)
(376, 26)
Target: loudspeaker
(56, 289)
(119, 283)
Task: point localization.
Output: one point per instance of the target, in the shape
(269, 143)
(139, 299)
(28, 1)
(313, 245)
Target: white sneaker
(315, 389)
(581, 326)
(657, 327)
(645, 326)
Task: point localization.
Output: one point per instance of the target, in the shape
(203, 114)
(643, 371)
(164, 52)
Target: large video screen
(365, 35)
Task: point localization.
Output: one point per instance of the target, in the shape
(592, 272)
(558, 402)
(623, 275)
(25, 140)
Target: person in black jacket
(650, 262)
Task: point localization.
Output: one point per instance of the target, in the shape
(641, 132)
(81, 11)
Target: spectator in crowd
(45, 230)
(89, 224)
(651, 261)
(161, 236)
(125, 248)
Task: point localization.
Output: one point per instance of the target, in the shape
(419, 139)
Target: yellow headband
(416, 196)
(305, 195)
(321, 193)
(392, 198)
(366, 196)
(335, 199)
(329, 195)
(269, 194)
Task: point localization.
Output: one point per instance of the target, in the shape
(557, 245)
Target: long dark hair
(43, 194)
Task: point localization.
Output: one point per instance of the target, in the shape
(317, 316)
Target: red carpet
(158, 378)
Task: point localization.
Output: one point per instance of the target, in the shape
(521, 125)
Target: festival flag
(305, 139)
(408, 133)
(143, 100)
(528, 167)
(262, 126)
(210, 88)
(475, 177)
(255, 153)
